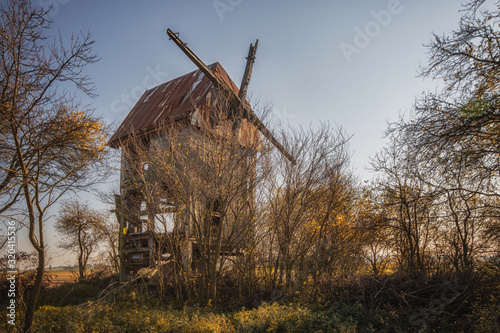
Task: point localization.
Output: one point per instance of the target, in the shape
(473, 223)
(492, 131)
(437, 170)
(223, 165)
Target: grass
(266, 318)
(385, 304)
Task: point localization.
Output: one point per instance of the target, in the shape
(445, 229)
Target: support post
(121, 231)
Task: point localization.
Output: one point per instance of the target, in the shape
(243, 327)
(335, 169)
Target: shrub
(283, 318)
(106, 318)
(73, 319)
(70, 294)
(485, 314)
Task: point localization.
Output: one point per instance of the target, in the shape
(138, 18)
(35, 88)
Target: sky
(351, 63)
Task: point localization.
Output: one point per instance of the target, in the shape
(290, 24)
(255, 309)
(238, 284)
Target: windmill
(178, 100)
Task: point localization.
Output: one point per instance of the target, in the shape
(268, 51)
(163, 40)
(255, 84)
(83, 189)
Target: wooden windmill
(178, 100)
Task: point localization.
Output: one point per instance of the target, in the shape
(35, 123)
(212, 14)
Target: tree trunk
(30, 307)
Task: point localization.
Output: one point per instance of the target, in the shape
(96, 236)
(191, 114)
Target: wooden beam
(197, 61)
(122, 225)
(245, 81)
(230, 95)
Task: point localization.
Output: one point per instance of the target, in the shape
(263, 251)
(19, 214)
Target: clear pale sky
(312, 64)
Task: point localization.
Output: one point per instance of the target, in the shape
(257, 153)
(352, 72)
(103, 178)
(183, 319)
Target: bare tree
(467, 59)
(108, 231)
(461, 123)
(447, 150)
(440, 205)
(409, 204)
(374, 229)
(307, 211)
(81, 228)
(49, 143)
(465, 212)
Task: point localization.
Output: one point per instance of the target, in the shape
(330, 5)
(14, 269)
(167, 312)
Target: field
(60, 276)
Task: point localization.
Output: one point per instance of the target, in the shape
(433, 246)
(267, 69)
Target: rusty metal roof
(171, 101)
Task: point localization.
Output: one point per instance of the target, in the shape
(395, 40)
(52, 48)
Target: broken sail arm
(231, 96)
